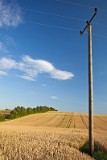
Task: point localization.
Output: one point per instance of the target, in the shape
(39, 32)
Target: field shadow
(100, 152)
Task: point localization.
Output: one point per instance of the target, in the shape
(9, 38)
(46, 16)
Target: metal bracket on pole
(88, 22)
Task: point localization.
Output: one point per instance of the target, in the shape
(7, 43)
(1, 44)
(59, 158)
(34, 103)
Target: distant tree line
(21, 111)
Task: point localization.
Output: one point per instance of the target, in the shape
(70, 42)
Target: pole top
(95, 10)
(88, 22)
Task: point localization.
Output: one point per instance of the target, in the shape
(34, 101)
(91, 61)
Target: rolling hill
(61, 120)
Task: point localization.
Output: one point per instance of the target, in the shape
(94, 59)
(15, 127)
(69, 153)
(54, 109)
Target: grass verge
(100, 153)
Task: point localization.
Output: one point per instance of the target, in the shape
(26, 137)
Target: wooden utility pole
(90, 83)
(90, 76)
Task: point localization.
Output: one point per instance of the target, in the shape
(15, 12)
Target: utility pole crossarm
(88, 22)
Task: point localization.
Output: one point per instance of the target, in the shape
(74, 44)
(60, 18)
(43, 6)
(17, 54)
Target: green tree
(29, 110)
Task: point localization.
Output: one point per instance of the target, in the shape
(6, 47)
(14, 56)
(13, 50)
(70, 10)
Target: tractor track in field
(84, 122)
(95, 125)
(69, 122)
(64, 117)
(74, 122)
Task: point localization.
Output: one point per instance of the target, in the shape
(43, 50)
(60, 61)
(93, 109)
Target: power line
(103, 25)
(76, 4)
(81, 5)
(63, 28)
(100, 36)
(62, 16)
(54, 26)
(58, 15)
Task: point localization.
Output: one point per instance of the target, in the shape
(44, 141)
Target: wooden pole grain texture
(90, 78)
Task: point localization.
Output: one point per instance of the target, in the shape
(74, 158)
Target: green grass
(2, 111)
(99, 151)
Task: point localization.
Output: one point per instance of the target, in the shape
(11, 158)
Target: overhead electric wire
(81, 5)
(66, 17)
(76, 4)
(58, 15)
(62, 16)
(100, 24)
(100, 36)
(64, 28)
(54, 26)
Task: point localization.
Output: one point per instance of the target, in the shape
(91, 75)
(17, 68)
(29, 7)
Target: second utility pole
(90, 79)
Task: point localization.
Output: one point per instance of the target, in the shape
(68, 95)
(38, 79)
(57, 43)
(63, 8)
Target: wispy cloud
(9, 40)
(31, 68)
(3, 73)
(28, 78)
(44, 85)
(3, 48)
(54, 97)
(10, 14)
(7, 63)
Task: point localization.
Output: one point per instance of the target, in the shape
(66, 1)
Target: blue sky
(43, 58)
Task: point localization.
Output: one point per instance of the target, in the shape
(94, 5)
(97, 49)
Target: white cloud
(31, 68)
(10, 14)
(7, 63)
(3, 73)
(39, 65)
(3, 48)
(61, 75)
(54, 97)
(28, 78)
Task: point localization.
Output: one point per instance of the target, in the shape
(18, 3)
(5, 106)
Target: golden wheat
(38, 143)
(49, 136)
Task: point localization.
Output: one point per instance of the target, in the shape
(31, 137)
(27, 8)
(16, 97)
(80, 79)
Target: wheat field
(50, 136)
